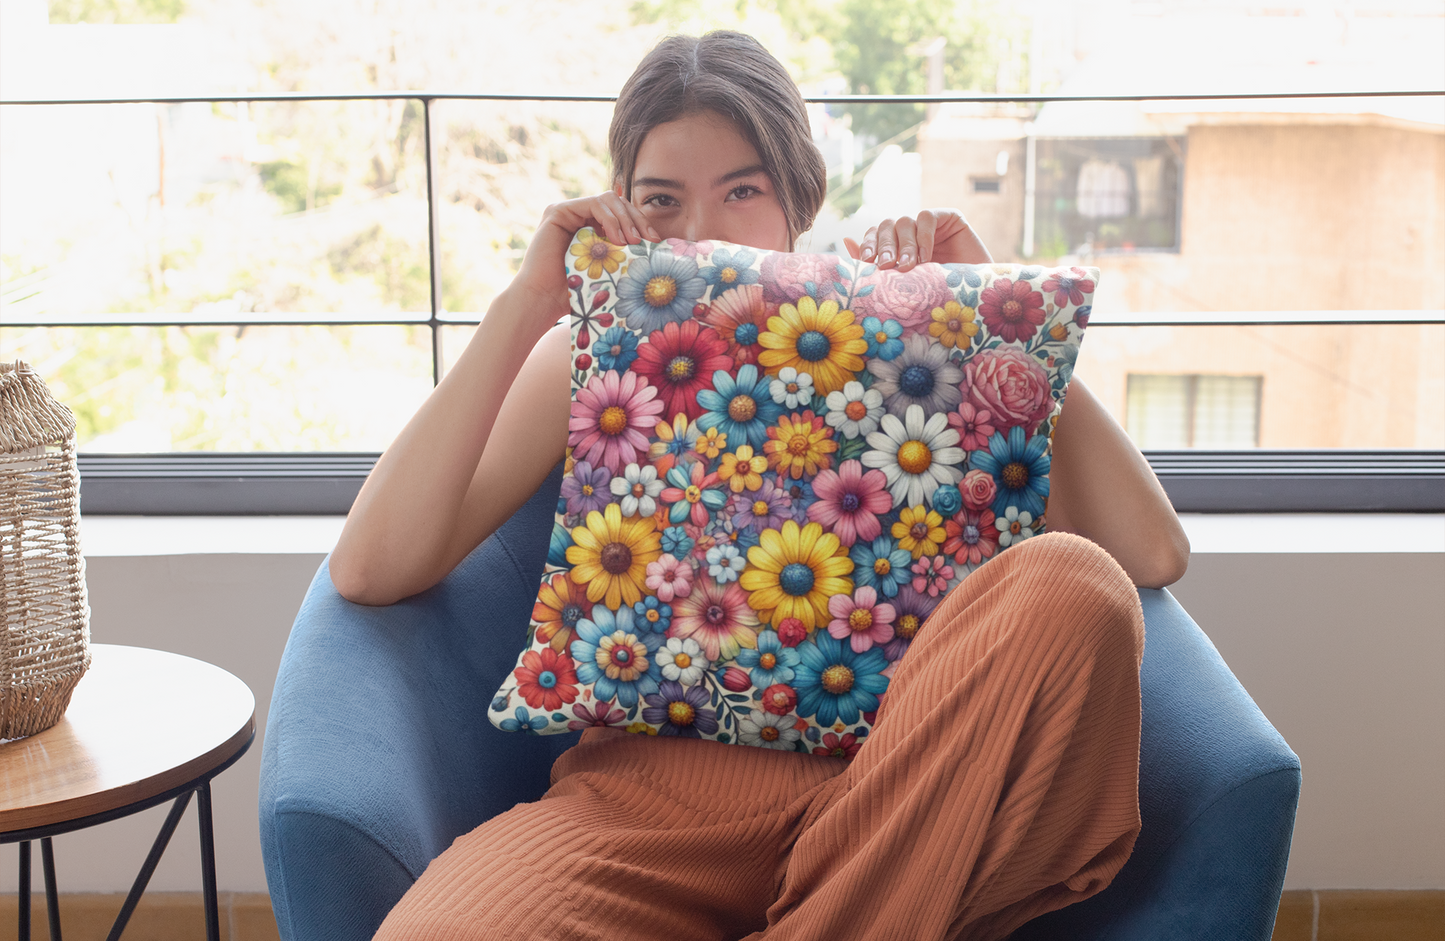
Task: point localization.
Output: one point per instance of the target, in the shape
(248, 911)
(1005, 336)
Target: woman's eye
(659, 201)
(743, 192)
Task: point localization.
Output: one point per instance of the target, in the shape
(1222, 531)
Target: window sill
(1209, 534)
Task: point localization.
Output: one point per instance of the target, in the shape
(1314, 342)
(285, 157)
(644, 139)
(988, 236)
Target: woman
(1000, 780)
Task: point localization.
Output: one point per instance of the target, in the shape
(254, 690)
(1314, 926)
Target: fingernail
(904, 259)
(885, 258)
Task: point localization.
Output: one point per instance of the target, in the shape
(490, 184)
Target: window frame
(324, 483)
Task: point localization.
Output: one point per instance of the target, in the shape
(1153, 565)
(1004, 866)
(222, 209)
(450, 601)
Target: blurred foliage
(116, 11)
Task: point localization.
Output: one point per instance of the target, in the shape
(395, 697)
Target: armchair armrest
(378, 751)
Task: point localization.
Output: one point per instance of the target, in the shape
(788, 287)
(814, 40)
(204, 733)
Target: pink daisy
(717, 617)
(974, 426)
(860, 619)
(931, 575)
(668, 578)
(849, 502)
(611, 418)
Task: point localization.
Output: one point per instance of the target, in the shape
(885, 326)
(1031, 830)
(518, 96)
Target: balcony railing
(325, 483)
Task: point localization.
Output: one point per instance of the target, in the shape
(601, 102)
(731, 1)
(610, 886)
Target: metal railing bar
(439, 318)
(824, 99)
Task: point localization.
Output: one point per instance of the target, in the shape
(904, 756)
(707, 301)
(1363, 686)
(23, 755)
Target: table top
(140, 723)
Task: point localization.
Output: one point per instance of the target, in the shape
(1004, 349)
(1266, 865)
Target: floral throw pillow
(777, 466)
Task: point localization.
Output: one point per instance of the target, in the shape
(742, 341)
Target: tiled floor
(1333, 915)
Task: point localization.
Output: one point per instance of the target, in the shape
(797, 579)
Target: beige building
(1252, 211)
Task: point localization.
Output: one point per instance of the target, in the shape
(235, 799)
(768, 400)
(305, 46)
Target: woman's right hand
(541, 280)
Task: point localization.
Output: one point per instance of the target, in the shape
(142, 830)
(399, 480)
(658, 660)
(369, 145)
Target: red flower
(780, 699)
(546, 679)
(792, 632)
(736, 679)
(839, 746)
(679, 360)
(740, 316)
(972, 537)
(1012, 310)
(1068, 285)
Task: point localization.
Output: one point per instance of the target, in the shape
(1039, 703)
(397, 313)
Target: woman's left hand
(940, 235)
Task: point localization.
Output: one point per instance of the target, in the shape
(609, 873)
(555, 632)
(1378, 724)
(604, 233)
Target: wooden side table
(143, 727)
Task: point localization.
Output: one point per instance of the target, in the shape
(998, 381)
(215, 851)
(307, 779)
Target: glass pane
(1363, 386)
(155, 389)
(499, 165)
(1157, 411)
(224, 210)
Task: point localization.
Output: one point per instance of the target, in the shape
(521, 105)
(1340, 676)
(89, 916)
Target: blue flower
(728, 270)
(631, 669)
(947, 500)
(557, 546)
(770, 651)
(659, 289)
(1019, 467)
(883, 337)
(882, 565)
(800, 496)
(652, 614)
(835, 683)
(616, 349)
(676, 542)
(741, 408)
(524, 722)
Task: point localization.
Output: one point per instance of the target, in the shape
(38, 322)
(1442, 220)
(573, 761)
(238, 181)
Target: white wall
(1344, 652)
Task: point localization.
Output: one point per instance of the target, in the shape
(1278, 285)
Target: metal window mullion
(433, 242)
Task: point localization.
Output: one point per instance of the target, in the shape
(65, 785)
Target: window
(1108, 195)
(1193, 411)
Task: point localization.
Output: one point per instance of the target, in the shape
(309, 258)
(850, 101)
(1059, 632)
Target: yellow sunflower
(954, 325)
(793, 571)
(610, 555)
(800, 444)
(823, 342)
(594, 255)
(918, 530)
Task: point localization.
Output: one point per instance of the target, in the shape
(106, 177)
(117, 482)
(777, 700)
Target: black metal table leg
(149, 867)
(52, 897)
(208, 862)
(23, 928)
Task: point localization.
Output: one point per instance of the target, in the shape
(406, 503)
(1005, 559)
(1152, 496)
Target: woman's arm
(1100, 486)
(1103, 489)
(488, 434)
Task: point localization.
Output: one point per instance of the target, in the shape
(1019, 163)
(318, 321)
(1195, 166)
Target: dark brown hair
(729, 74)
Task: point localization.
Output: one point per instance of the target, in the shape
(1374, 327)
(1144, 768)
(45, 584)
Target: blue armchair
(378, 753)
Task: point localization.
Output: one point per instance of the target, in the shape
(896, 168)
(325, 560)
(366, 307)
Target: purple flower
(913, 608)
(765, 508)
(587, 489)
(679, 711)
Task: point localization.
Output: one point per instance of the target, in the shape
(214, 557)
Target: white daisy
(854, 410)
(637, 488)
(792, 388)
(682, 660)
(1016, 526)
(915, 456)
(768, 730)
(725, 563)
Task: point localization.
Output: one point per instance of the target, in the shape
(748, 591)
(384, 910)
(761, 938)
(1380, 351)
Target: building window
(1119, 194)
(985, 184)
(1193, 411)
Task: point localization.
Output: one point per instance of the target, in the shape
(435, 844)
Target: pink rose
(979, 489)
(1011, 385)
(785, 276)
(908, 298)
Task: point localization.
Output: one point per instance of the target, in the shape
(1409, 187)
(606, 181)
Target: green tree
(116, 11)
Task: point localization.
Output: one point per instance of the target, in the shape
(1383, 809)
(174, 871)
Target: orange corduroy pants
(999, 782)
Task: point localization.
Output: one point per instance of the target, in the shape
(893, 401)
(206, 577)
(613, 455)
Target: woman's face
(698, 178)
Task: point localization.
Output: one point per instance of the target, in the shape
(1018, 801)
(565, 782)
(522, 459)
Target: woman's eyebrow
(739, 174)
(658, 182)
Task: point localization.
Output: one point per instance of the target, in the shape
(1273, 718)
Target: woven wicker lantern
(44, 617)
